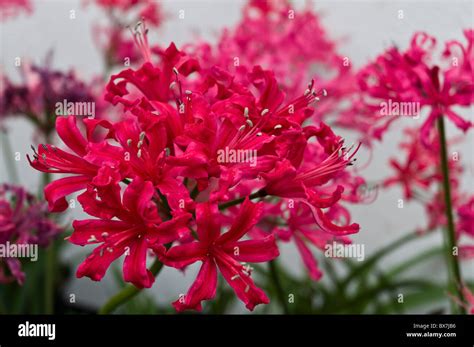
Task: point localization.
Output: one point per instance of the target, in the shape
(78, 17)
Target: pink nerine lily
(138, 227)
(98, 164)
(224, 252)
(409, 77)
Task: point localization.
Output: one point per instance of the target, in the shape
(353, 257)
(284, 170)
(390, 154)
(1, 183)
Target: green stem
(276, 281)
(450, 236)
(50, 271)
(50, 263)
(3, 309)
(9, 162)
(166, 205)
(194, 192)
(259, 194)
(128, 292)
(49, 281)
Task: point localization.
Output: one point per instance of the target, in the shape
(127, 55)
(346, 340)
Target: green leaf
(410, 263)
(372, 261)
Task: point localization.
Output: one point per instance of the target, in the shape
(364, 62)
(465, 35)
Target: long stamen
(337, 161)
(178, 94)
(309, 95)
(140, 36)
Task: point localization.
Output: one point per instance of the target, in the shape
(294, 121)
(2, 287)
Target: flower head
(137, 229)
(193, 141)
(23, 220)
(11, 8)
(37, 97)
(113, 38)
(420, 169)
(410, 76)
(224, 251)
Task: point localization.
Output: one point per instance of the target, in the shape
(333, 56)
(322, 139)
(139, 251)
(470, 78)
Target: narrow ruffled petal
(170, 230)
(243, 285)
(208, 222)
(56, 191)
(326, 225)
(462, 124)
(134, 265)
(249, 214)
(254, 251)
(309, 259)
(95, 230)
(96, 264)
(70, 134)
(137, 196)
(182, 255)
(203, 288)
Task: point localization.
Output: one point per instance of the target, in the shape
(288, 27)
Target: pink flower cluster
(410, 76)
(40, 90)
(23, 221)
(12, 8)
(175, 176)
(292, 43)
(419, 175)
(113, 38)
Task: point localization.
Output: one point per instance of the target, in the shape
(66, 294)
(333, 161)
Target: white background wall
(369, 26)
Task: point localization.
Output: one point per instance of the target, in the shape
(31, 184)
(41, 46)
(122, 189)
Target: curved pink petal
(170, 230)
(254, 251)
(134, 265)
(203, 288)
(243, 286)
(208, 224)
(462, 124)
(326, 225)
(95, 230)
(96, 264)
(70, 134)
(138, 195)
(308, 259)
(281, 181)
(249, 214)
(95, 207)
(271, 95)
(56, 191)
(316, 200)
(182, 255)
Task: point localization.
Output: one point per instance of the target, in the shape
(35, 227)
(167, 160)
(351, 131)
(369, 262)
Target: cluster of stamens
(140, 36)
(246, 270)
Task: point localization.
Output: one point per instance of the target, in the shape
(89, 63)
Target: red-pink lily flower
(408, 77)
(224, 251)
(420, 169)
(138, 227)
(91, 163)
